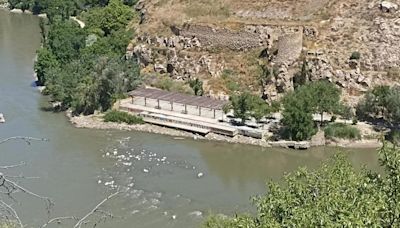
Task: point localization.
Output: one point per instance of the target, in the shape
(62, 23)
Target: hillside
(224, 43)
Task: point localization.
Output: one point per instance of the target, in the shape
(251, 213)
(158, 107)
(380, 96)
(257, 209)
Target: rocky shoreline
(96, 122)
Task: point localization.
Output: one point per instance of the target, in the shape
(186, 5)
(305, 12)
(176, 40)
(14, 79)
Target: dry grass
(164, 13)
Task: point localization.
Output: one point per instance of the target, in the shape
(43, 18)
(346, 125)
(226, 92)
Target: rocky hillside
(353, 43)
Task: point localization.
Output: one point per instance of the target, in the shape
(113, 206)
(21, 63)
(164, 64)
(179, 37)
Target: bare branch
(13, 166)
(12, 186)
(58, 220)
(82, 220)
(14, 213)
(28, 140)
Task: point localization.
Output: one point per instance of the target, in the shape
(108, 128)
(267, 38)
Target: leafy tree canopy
(65, 40)
(300, 105)
(382, 102)
(114, 17)
(247, 105)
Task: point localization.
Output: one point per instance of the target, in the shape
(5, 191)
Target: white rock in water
(2, 119)
(107, 154)
(99, 181)
(145, 170)
(173, 217)
(115, 152)
(199, 175)
(109, 183)
(196, 214)
(134, 212)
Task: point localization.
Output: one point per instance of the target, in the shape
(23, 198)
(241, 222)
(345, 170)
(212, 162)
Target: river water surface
(77, 168)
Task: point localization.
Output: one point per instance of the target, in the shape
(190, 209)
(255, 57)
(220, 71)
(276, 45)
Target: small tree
(247, 105)
(302, 77)
(241, 106)
(346, 112)
(264, 77)
(259, 108)
(197, 87)
(297, 116)
(325, 97)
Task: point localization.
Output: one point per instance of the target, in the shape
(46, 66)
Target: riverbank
(96, 122)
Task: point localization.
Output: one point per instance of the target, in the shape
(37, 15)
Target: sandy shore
(96, 122)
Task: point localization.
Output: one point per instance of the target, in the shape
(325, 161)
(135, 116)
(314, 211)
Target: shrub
(393, 73)
(333, 119)
(343, 131)
(355, 121)
(393, 136)
(355, 55)
(122, 117)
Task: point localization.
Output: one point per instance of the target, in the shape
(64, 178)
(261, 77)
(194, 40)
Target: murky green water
(158, 174)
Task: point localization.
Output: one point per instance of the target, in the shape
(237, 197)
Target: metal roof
(204, 102)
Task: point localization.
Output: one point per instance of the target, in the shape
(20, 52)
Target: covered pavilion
(179, 98)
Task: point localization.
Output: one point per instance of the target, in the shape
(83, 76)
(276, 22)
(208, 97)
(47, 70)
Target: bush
(333, 119)
(393, 136)
(122, 117)
(355, 121)
(355, 55)
(343, 131)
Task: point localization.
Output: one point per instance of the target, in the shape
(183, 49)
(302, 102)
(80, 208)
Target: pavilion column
(172, 106)
(185, 109)
(158, 103)
(145, 101)
(214, 113)
(199, 111)
(132, 99)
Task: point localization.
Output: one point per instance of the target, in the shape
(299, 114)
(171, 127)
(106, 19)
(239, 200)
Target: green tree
(114, 17)
(241, 106)
(65, 40)
(44, 63)
(259, 108)
(346, 112)
(264, 77)
(325, 97)
(297, 115)
(380, 102)
(302, 77)
(197, 86)
(335, 195)
(247, 105)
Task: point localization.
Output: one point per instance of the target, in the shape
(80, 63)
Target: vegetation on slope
(86, 69)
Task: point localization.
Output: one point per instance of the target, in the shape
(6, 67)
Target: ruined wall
(289, 48)
(223, 37)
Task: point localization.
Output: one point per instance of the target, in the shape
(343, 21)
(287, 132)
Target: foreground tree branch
(9, 187)
(94, 210)
(26, 139)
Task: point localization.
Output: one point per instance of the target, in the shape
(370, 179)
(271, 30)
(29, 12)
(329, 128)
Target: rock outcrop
(323, 33)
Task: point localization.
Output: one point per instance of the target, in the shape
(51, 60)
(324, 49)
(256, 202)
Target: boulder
(388, 7)
(160, 68)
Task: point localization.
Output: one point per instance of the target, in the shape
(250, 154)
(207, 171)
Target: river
(77, 168)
